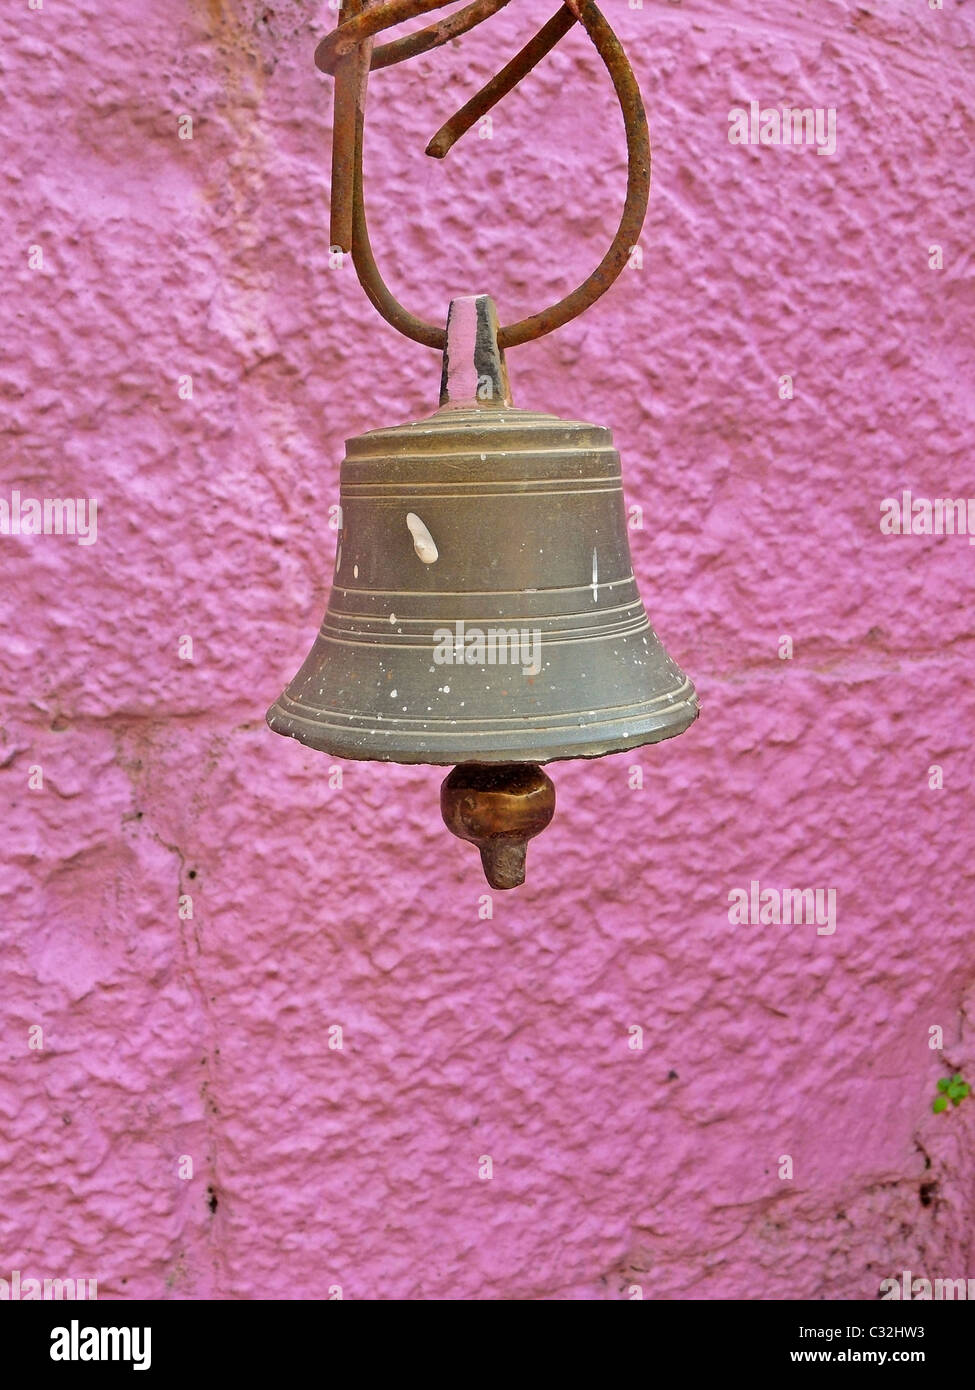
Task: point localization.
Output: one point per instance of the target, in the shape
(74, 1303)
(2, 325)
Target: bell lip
(676, 719)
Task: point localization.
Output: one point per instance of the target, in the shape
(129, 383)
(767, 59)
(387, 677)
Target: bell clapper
(499, 807)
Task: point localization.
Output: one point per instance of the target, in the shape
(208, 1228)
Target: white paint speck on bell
(595, 574)
(423, 542)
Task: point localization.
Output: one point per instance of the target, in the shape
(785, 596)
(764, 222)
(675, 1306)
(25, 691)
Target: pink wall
(315, 906)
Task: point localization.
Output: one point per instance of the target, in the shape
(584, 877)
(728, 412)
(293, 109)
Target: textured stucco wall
(316, 906)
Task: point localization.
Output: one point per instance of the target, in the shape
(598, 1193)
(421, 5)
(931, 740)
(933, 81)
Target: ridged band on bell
(483, 607)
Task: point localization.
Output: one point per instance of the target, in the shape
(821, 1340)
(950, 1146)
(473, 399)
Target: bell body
(483, 607)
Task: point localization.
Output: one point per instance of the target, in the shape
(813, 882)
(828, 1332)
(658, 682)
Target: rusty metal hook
(348, 53)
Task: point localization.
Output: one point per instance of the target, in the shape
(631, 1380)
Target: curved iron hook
(348, 53)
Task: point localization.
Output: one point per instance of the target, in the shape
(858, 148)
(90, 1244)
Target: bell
(483, 610)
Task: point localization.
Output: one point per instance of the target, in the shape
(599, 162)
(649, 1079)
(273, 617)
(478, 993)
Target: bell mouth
(447, 742)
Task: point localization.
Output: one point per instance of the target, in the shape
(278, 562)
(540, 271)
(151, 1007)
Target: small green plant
(951, 1088)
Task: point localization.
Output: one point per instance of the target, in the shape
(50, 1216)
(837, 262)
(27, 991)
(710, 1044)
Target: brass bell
(483, 610)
